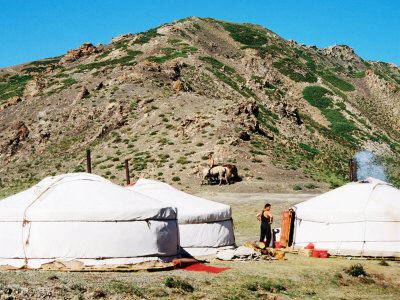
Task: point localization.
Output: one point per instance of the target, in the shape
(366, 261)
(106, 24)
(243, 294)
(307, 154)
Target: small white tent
(359, 219)
(204, 226)
(83, 217)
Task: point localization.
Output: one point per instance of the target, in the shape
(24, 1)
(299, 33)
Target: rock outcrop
(73, 54)
(17, 132)
(12, 101)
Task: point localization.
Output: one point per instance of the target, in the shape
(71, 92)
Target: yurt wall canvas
(360, 219)
(87, 218)
(205, 226)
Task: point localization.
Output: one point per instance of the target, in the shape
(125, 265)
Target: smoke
(367, 166)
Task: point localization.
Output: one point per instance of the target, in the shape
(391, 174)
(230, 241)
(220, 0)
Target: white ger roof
(191, 209)
(81, 197)
(370, 199)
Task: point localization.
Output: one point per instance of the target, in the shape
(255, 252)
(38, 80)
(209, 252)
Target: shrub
(176, 178)
(383, 263)
(297, 188)
(178, 284)
(122, 287)
(356, 270)
(266, 286)
(79, 169)
(257, 152)
(311, 186)
(182, 160)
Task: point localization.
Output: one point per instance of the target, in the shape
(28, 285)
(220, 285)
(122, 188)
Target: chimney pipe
(351, 169)
(354, 170)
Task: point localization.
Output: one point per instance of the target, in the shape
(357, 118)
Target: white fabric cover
(84, 217)
(204, 225)
(360, 218)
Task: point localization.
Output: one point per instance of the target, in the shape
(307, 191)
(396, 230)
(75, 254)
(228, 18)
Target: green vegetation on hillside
(246, 34)
(125, 61)
(341, 126)
(147, 36)
(295, 70)
(315, 95)
(337, 82)
(360, 74)
(14, 87)
(308, 148)
(180, 50)
(228, 75)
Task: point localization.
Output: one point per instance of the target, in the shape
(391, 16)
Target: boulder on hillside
(34, 87)
(121, 37)
(178, 85)
(83, 93)
(14, 100)
(74, 54)
(17, 133)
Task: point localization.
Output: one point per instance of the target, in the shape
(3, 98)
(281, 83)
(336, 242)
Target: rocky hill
(288, 115)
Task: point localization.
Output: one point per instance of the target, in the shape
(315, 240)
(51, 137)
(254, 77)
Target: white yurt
(204, 226)
(86, 218)
(359, 219)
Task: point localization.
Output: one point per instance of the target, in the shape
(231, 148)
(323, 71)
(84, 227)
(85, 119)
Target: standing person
(266, 219)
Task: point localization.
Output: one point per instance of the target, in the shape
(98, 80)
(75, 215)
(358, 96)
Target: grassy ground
(295, 278)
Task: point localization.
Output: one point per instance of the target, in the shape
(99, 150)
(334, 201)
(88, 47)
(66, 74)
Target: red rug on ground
(200, 267)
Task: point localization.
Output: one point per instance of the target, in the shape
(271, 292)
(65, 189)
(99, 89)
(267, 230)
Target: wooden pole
(128, 180)
(88, 161)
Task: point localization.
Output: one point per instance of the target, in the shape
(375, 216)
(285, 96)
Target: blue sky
(36, 29)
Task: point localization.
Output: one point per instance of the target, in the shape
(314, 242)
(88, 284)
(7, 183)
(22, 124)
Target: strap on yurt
(365, 221)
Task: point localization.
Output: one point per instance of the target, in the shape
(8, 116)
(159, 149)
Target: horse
(232, 172)
(218, 171)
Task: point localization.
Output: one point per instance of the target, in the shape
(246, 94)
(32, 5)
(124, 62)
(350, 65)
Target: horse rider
(210, 164)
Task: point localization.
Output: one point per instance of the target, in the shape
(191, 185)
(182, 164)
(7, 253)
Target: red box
(323, 253)
(315, 253)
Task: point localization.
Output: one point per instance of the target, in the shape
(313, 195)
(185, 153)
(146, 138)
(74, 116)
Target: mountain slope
(286, 114)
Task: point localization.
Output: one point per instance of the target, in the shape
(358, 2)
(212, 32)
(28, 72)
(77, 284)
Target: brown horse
(218, 171)
(232, 172)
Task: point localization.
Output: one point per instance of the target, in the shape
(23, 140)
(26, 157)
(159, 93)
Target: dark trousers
(265, 233)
